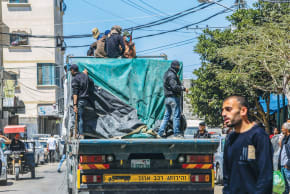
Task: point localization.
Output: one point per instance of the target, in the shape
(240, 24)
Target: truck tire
(17, 169)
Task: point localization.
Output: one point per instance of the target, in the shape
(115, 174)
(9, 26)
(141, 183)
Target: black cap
(74, 67)
(202, 124)
(175, 63)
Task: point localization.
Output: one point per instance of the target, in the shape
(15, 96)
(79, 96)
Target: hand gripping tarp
(123, 86)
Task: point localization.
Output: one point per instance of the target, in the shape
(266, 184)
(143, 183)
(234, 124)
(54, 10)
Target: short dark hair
(241, 99)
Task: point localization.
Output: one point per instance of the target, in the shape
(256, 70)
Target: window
(19, 38)
(18, 1)
(47, 74)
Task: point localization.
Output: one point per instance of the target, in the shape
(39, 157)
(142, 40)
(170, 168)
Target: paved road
(47, 181)
(218, 189)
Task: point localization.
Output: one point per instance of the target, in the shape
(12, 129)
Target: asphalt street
(47, 181)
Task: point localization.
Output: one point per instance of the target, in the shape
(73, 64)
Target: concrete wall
(36, 18)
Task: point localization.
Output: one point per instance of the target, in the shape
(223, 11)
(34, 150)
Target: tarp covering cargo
(128, 93)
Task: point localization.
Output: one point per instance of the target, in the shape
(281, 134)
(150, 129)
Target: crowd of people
(112, 44)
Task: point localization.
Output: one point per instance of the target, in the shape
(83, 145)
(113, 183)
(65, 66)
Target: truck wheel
(17, 173)
(32, 171)
(4, 182)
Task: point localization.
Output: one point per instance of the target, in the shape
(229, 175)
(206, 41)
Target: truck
(116, 162)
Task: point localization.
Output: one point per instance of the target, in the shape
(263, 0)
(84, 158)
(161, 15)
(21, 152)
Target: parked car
(3, 175)
(39, 152)
(43, 144)
(218, 161)
(189, 132)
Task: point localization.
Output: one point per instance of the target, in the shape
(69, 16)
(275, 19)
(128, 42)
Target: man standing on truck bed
(81, 85)
(248, 153)
(114, 42)
(172, 91)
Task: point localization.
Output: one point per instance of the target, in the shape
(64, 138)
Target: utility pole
(1, 65)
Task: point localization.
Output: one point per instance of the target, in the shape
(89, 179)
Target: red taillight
(200, 178)
(93, 159)
(199, 158)
(91, 178)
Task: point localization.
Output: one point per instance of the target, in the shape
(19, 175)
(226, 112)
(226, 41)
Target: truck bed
(123, 147)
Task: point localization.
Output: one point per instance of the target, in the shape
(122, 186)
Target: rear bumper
(201, 188)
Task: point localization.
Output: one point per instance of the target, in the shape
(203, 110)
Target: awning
(15, 129)
(273, 103)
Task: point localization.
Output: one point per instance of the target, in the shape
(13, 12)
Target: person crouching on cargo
(114, 42)
(130, 50)
(172, 91)
(100, 48)
(93, 46)
(81, 86)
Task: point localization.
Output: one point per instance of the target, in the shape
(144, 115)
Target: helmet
(96, 33)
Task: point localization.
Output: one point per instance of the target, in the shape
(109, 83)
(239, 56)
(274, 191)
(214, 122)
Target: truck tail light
(200, 178)
(91, 179)
(199, 159)
(93, 159)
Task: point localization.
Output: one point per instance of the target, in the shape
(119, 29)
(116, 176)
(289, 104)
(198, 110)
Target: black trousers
(51, 156)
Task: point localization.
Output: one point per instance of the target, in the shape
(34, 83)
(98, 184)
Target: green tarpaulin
(137, 82)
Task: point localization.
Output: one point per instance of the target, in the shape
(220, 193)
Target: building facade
(33, 57)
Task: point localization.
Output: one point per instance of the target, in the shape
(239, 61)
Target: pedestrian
(51, 145)
(275, 132)
(248, 153)
(81, 88)
(114, 45)
(130, 50)
(282, 135)
(202, 132)
(172, 91)
(284, 156)
(100, 48)
(62, 158)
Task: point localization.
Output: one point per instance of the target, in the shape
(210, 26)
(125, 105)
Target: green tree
(224, 72)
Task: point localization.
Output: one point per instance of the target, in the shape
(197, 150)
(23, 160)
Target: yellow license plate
(145, 178)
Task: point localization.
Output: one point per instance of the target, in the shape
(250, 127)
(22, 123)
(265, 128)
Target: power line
(173, 30)
(158, 10)
(167, 45)
(172, 17)
(170, 47)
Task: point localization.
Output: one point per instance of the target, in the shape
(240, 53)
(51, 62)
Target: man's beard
(234, 123)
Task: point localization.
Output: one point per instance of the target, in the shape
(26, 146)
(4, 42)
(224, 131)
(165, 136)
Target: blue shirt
(248, 163)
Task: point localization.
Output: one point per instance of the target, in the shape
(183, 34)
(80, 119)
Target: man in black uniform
(248, 152)
(202, 132)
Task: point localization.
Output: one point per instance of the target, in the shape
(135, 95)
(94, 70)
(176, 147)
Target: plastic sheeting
(128, 94)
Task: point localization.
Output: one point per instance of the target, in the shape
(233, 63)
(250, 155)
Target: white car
(39, 152)
(3, 176)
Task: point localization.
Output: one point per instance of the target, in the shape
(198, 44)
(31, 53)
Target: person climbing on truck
(81, 86)
(130, 50)
(172, 91)
(114, 42)
(100, 48)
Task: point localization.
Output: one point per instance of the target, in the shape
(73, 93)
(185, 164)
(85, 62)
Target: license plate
(145, 178)
(141, 163)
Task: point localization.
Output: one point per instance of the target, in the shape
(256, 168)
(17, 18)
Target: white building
(36, 62)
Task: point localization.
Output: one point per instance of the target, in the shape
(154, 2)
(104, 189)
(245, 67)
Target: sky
(82, 16)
